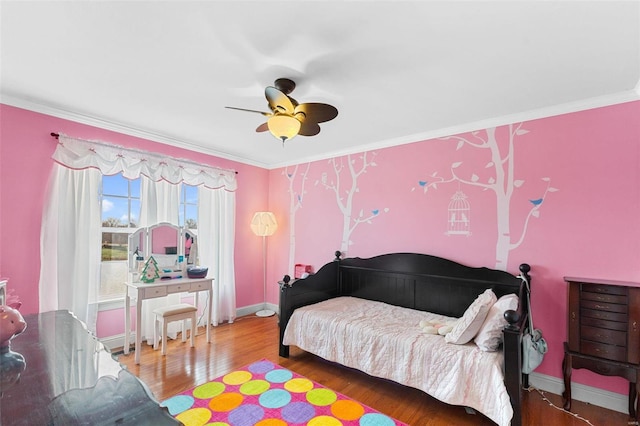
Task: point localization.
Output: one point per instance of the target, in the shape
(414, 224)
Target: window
(120, 202)
(188, 215)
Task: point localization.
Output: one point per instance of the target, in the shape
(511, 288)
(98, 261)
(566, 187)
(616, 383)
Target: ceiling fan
(288, 118)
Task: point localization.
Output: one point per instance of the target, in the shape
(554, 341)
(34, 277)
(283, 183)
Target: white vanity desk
(161, 288)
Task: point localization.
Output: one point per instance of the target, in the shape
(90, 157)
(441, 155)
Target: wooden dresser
(603, 332)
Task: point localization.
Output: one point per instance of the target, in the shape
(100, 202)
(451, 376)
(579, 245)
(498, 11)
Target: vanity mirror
(172, 247)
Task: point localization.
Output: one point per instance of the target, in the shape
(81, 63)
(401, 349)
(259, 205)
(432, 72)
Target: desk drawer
(178, 288)
(200, 286)
(151, 292)
(615, 353)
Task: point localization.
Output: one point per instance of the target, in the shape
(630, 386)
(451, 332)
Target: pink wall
(25, 164)
(585, 224)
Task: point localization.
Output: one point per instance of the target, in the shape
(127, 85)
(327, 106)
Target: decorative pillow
(472, 320)
(489, 337)
(436, 327)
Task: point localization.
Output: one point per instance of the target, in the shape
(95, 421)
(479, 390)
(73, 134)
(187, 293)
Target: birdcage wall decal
(459, 215)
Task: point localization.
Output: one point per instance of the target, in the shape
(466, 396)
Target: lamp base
(265, 313)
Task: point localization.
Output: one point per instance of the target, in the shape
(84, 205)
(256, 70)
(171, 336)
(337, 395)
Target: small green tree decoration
(150, 271)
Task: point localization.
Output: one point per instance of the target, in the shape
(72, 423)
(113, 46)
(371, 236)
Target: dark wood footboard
(422, 282)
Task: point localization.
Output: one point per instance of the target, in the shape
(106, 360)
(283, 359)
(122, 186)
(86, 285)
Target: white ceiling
(398, 71)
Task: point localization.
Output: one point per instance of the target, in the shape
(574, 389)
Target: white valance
(110, 159)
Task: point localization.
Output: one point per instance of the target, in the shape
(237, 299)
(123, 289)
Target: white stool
(180, 312)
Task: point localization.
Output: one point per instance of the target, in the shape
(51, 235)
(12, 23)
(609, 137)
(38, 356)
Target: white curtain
(70, 239)
(110, 159)
(71, 226)
(159, 202)
(216, 220)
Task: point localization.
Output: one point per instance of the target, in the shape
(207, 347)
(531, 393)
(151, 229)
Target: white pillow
(490, 335)
(472, 320)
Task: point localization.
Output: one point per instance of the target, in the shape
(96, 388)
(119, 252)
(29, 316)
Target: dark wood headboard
(416, 281)
(422, 282)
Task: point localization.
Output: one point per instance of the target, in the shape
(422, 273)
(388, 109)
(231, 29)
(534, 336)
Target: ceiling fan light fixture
(283, 127)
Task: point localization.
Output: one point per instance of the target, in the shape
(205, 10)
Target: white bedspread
(386, 341)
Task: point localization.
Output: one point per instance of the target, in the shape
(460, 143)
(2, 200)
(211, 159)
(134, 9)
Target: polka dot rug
(265, 394)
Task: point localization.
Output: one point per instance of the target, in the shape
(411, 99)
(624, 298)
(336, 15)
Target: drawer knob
(573, 315)
(635, 326)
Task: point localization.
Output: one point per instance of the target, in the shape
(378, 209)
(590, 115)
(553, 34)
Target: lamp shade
(283, 126)
(264, 224)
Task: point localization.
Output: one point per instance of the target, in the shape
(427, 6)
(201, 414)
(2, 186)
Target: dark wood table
(71, 379)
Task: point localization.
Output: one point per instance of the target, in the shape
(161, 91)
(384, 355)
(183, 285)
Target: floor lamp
(263, 225)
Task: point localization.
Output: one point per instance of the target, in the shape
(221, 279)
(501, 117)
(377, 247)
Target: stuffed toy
(12, 364)
(436, 327)
(11, 324)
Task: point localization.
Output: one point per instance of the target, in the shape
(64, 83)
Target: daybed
(337, 314)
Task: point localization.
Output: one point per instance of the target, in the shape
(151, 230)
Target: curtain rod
(57, 136)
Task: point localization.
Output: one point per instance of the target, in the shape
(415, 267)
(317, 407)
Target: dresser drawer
(605, 298)
(604, 289)
(602, 306)
(601, 335)
(616, 353)
(604, 315)
(609, 325)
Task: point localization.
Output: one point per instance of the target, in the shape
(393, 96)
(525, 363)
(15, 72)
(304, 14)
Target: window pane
(114, 246)
(115, 211)
(135, 213)
(191, 194)
(135, 188)
(115, 185)
(191, 221)
(120, 211)
(113, 275)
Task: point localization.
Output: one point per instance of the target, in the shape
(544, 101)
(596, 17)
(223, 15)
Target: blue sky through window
(120, 200)
(121, 203)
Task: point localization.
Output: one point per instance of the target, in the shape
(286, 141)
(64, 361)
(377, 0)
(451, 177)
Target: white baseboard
(601, 398)
(117, 341)
(249, 310)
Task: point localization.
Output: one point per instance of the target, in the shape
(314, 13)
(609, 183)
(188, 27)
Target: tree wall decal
(345, 197)
(295, 203)
(503, 184)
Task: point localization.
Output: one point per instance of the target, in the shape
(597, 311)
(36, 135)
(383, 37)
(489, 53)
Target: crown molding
(101, 123)
(555, 110)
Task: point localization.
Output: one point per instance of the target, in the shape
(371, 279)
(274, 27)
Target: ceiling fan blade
(262, 128)
(267, 114)
(309, 128)
(317, 112)
(278, 101)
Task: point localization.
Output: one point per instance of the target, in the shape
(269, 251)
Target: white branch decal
(345, 197)
(503, 184)
(295, 203)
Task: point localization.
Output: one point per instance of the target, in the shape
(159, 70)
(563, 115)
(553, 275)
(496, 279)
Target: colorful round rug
(265, 394)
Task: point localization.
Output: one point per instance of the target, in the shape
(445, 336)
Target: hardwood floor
(252, 338)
